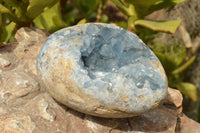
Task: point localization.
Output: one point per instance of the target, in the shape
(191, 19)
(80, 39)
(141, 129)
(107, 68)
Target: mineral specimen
(102, 70)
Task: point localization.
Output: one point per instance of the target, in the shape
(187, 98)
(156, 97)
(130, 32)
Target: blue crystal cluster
(110, 64)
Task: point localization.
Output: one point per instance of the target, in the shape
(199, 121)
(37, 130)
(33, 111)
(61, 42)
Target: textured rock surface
(35, 111)
(101, 70)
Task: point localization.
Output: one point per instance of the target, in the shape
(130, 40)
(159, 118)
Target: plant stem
(131, 25)
(184, 66)
(99, 11)
(132, 19)
(122, 7)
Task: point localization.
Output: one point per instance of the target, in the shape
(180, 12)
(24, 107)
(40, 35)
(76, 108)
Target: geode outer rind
(102, 70)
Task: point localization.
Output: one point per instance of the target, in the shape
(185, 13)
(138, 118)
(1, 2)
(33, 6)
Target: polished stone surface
(102, 70)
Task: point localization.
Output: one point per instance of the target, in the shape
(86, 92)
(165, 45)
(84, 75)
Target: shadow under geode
(161, 119)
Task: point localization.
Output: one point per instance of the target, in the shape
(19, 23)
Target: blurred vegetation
(172, 57)
(53, 15)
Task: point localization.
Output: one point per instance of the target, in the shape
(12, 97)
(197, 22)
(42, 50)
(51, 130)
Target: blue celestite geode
(102, 70)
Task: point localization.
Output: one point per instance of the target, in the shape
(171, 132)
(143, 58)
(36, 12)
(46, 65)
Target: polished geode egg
(102, 70)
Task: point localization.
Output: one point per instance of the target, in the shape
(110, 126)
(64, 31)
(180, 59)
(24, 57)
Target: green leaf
(184, 66)
(11, 15)
(86, 6)
(122, 24)
(36, 7)
(82, 21)
(70, 14)
(188, 89)
(147, 35)
(5, 10)
(7, 32)
(54, 28)
(164, 4)
(3, 20)
(104, 18)
(177, 52)
(16, 11)
(144, 7)
(168, 64)
(164, 26)
(174, 50)
(10, 30)
(50, 19)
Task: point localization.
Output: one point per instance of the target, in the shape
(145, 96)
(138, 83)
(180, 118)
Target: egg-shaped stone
(101, 70)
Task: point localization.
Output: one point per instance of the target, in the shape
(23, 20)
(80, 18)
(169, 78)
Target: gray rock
(101, 70)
